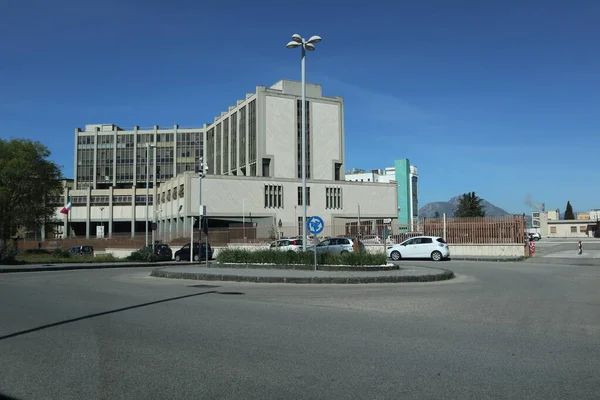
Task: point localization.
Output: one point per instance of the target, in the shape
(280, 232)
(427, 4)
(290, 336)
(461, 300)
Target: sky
(497, 97)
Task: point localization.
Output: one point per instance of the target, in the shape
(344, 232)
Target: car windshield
(440, 240)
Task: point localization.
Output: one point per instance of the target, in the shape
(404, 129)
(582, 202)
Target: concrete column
(88, 216)
(75, 166)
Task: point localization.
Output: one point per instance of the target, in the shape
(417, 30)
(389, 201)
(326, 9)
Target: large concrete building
(406, 179)
(253, 155)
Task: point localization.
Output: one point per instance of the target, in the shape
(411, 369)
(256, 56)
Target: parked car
(286, 245)
(433, 247)
(200, 252)
(87, 251)
(338, 245)
(534, 236)
(162, 252)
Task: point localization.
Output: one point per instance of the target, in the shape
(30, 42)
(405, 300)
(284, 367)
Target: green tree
(27, 180)
(569, 211)
(437, 214)
(469, 206)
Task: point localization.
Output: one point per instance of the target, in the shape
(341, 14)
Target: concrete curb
(491, 259)
(58, 267)
(302, 267)
(442, 275)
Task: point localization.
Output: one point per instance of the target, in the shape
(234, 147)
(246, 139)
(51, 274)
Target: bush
(236, 256)
(7, 253)
(143, 254)
(37, 251)
(61, 253)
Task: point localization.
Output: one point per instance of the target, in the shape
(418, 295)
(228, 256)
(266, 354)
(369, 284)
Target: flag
(67, 208)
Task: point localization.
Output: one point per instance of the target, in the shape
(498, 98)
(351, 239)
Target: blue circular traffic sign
(315, 225)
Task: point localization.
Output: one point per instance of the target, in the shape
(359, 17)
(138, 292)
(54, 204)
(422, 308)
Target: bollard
(580, 247)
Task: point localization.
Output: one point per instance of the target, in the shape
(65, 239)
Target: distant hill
(448, 207)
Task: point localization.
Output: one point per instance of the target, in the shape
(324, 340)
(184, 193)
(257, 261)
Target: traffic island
(257, 273)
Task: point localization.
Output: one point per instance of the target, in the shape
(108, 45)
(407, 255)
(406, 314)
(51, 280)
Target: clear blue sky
(497, 97)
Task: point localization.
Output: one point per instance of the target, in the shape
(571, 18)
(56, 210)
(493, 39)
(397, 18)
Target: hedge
(238, 256)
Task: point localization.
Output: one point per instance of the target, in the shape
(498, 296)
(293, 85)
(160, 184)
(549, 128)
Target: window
(333, 198)
(141, 199)
(266, 163)
(121, 199)
(218, 151)
(583, 229)
(573, 229)
(300, 196)
(552, 229)
(336, 174)
(226, 146)
(273, 196)
(242, 134)
(299, 138)
(252, 132)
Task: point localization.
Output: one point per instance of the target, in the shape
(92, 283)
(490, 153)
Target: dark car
(162, 252)
(87, 251)
(200, 252)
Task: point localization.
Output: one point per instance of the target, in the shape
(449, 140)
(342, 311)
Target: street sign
(315, 225)
(387, 220)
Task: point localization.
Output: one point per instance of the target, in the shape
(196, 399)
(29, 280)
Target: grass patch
(56, 259)
(238, 256)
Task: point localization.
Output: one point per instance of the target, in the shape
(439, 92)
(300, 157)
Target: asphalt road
(498, 331)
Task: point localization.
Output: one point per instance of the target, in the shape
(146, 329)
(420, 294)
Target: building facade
(258, 136)
(253, 158)
(406, 178)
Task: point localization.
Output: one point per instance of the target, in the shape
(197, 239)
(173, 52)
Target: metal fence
(509, 229)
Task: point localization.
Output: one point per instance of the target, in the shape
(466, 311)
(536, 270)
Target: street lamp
(101, 222)
(298, 41)
(148, 146)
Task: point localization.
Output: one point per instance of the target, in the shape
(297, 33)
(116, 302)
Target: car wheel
(536, 239)
(177, 258)
(395, 255)
(344, 252)
(196, 257)
(436, 256)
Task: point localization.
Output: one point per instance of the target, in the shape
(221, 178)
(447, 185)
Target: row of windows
(273, 196)
(174, 194)
(299, 138)
(333, 197)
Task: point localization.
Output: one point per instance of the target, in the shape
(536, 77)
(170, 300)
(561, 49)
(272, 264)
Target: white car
(433, 247)
(286, 245)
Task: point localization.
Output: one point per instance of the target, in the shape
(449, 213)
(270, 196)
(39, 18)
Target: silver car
(338, 245)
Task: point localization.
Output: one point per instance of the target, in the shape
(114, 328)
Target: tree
(27, 181)
(437, 214)
(569, 211)
(469, 206)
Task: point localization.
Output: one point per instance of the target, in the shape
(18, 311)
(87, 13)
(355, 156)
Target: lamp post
(148, 146)
(101, 222)
(298, 41)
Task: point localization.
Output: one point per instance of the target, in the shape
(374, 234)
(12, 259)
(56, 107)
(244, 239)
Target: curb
(441, 276)
(491, 259)
(310, 267)
(45, 268)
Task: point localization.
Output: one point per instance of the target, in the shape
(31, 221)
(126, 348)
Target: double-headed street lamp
(299, 41)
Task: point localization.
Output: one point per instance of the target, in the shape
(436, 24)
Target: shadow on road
(68, 321)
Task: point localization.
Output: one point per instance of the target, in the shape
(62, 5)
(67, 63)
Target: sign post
(315, 226)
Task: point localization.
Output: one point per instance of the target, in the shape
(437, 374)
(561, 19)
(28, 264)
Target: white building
(253, 154)
(407, 182)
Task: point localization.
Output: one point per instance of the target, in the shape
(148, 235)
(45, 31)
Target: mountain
(448, 207)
